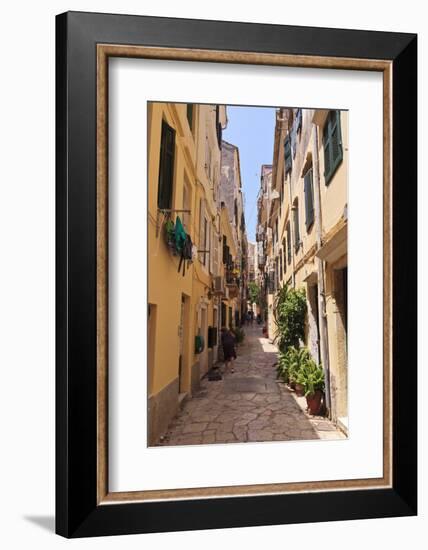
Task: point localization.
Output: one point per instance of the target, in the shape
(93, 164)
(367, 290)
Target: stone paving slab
(250, 384)
(249, 405)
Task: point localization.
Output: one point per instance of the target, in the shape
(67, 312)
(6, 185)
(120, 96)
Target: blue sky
(251, 129)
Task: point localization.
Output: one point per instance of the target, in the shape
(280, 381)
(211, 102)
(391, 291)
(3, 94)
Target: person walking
(228, 342)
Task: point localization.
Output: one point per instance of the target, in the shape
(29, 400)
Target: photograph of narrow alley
(247, 274)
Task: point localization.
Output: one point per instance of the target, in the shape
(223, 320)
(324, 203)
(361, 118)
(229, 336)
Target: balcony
(232, 283)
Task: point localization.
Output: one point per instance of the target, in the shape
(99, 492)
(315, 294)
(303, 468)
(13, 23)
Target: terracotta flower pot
(300, 390)
(292, 384)
(314, 402)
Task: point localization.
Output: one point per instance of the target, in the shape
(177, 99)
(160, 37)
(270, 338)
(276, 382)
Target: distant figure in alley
(228, 342)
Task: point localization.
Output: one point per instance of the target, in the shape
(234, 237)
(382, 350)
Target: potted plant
(297, 359)
(282, 369)
(311, 377)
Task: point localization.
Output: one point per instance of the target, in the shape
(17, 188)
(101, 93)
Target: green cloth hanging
(180, 235)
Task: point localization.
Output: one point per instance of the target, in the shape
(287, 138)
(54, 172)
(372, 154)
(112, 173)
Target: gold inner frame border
(104, 52)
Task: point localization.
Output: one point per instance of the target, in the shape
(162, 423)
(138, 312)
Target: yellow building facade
(305, 235)
(186, 293)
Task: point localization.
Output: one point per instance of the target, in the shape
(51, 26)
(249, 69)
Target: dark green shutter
(332, 142)
(309, 198)
(327, 153)
(296, 226)
(336, 141)
(287, 154)
(166, 167)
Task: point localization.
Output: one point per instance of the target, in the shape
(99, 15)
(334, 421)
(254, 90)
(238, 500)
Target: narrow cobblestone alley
(247, 405)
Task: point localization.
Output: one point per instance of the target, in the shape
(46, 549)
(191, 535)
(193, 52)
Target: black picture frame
(77, 511)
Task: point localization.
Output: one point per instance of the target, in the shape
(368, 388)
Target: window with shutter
(280, 265)
(296, 225)
(288, 243)
(166, 167)
(287, 154)
(332, 142)
(309, 198)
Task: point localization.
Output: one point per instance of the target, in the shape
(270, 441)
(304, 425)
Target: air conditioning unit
(219, 286)
(274, 194)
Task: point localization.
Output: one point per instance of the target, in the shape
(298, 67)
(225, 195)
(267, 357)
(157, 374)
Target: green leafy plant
(289, 315)
(254, 293)
(291, 362)
(311, 377)
(298, 357)
(282, 369)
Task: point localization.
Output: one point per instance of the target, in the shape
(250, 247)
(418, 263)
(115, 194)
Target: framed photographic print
(236, 274)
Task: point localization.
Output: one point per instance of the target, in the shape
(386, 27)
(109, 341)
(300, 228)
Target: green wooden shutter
(287, 154)
(309, 198)
(296, 227)
(166, 167)
(332, 141)
(336, 140)
(327, 148)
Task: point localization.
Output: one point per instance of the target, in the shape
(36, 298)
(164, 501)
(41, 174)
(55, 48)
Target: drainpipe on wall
(322, 314)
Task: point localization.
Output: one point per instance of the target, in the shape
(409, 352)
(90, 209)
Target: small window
(166, 167)
(309, 198)
(332, 142)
